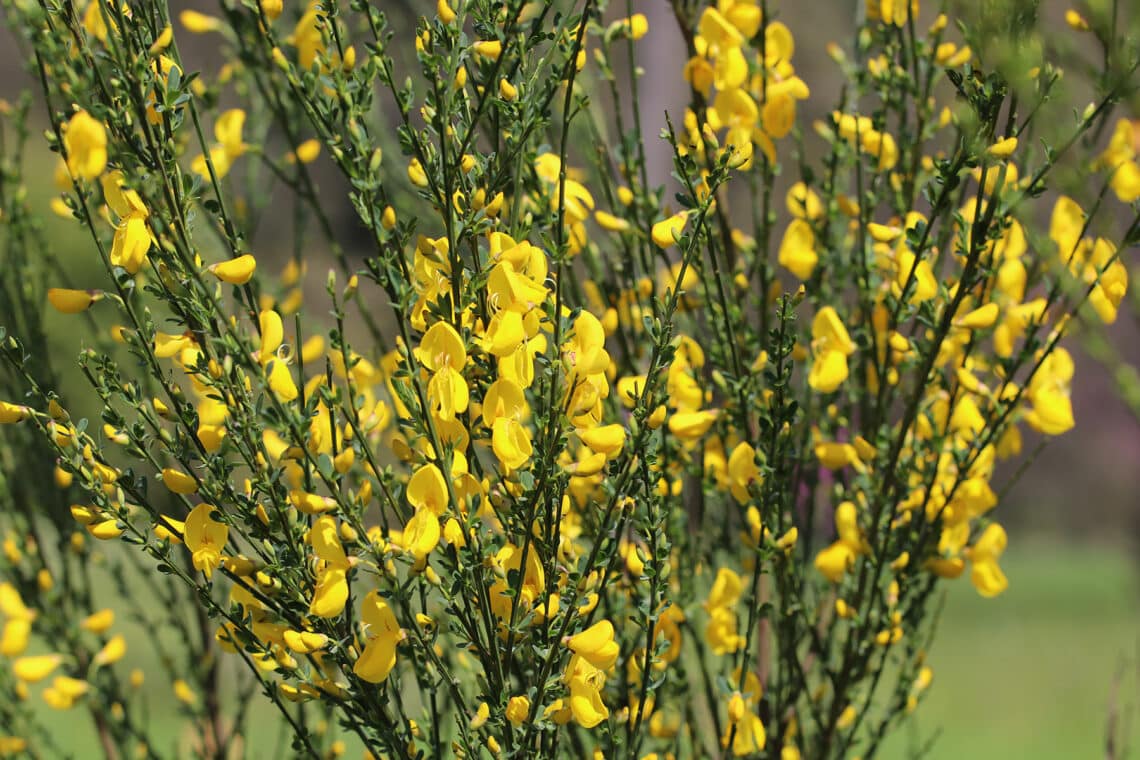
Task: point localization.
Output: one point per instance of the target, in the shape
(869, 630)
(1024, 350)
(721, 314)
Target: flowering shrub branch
(559, 462)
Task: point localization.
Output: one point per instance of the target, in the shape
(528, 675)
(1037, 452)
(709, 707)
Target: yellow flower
(280, 381)
(604, 439)
(586, 683)
(508, 91)
(427, 489)
(916, 274)
(980, 318)
(482, 712)
(105, 530)
(421, 535)
(12, 745)
(205, 538)
(98, 622)
(721, 632)
(797, 251)
(1048, 392)
(743, 471)
(596, 644)
(132, 238)
(11, 413)
(441, 347)
(745, 726)
(184, 693)
(179, 482)
(64, 692)
(272, 335)
(518, 708)
(416, 173)
(85, 142)
(447, 393)
(14, 637)
(666, 232)
(237, 271)
(228, 148)
(382, 634)
(835, 455)
(831, 345)
(37, 667)
(445, 12)
(69, 301)
(510, 441)
(985, 573)
(1110, 276)
(331, 592)
(1003, 148)
(692, 425)
(491, 49)
(835, 560)
(1065, 227)
(507, 560)
(271, 8)
(199, 23)
(718, 31)
(803, 202)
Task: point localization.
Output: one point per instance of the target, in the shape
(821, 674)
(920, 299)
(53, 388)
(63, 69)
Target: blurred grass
(1029, 674)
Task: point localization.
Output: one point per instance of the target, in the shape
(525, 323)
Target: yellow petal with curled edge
(427, 489)
(105, 530)
(12, 413)
(828, 371)
(326, 542)
(666, 232)
(272, 334)
(691, 425)
(85, 142)
(441, 347)
(797, 251)
(1003, 148)
(73, 688)
(98, 622)
(835, 560)
(311, 503)
(331, 593)
(14, 637)
(596, 645)
(718, 30)
(604, 439)
(37, 667)
(585, 683)
(199, 23)
(421, 534)
(179, 482)
(237, 271)
(68, 301)
(988, 578)
(379, 655)
(980, 318)
(281, 381)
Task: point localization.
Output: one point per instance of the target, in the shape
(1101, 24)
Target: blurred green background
(1040, 672)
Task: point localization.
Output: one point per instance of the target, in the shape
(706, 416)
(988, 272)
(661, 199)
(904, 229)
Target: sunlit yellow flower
(205, 538)
(85, 141)
(831, 345)
(382, 634)
(985, 573)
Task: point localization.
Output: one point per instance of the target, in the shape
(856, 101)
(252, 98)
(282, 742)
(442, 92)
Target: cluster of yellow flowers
(596, 436)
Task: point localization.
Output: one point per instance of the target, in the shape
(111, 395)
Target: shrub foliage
(554, 460)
